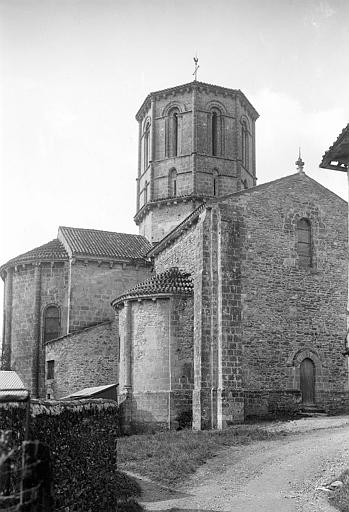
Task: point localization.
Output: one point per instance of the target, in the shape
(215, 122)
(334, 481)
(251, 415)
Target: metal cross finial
(299, 162)
(196, 60)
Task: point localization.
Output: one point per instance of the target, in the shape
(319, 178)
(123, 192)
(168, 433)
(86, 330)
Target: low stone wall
(334, 402)
(271, 403)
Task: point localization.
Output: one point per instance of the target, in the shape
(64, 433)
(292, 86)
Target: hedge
(82, 437)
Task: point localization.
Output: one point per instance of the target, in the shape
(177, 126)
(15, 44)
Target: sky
(73, 74)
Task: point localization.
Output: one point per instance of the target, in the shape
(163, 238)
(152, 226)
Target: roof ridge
(101, 231)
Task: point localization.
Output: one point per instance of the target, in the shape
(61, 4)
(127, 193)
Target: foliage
(82, 437)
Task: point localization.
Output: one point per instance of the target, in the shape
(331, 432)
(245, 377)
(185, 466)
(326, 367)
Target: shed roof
(89, 392)
(172, 281)
(12, 388)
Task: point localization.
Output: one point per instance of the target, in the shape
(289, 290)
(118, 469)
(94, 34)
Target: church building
(231, 301)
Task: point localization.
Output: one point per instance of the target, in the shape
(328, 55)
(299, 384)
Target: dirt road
(269, 476)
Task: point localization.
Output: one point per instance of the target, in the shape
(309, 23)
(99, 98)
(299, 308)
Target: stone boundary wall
(83, 359)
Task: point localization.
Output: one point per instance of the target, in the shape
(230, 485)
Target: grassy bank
(170, 457)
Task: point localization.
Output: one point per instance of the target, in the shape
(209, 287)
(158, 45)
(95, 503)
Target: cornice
(199, 87)
(159, 203)
(17, 265)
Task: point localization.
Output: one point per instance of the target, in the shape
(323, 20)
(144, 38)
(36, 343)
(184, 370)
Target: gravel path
(268, 476)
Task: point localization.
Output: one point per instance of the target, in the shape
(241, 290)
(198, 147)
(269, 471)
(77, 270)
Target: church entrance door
(307, 381)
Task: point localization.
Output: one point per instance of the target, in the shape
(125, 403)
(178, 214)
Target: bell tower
(196, 142)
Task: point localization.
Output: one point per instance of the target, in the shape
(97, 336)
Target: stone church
(231, 301)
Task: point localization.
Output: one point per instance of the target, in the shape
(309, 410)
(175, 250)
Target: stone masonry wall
(95, 285)
(53, 290)
(290, 312)
(84, 359)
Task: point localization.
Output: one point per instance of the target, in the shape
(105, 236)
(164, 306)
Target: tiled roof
(93, 242)
(52, 251)
(172, 281)
(336, 157)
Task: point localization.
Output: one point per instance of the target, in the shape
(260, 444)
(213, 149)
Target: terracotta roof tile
(52, 251)
(93, 242)
(172, 281)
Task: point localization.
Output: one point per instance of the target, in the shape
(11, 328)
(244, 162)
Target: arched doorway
(307, 381)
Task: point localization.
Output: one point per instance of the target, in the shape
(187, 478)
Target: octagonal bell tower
(196, 142)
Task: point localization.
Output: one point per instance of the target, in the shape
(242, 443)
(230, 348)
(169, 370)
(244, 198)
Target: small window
(50, 373)
(172, 183)
(304, 243)
(215, 183)
(245, 184)
(146, 192)
(52, 327)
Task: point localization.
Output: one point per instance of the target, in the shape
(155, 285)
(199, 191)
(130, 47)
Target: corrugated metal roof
(93, 242)
(11, 387)
(172, 281)
(87, 392)
(52, 251)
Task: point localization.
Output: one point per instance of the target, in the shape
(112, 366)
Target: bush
(82, 437)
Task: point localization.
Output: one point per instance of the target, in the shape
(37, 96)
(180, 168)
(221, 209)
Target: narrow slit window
(173, 133)
(245, 145)
(146, 142)
(214, 128)
(172, 185)
(304, 248)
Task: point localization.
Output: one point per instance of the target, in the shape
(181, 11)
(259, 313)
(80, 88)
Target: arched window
(214, 129)
(146, 145)
(216, 132)
(173, 133)
(52, 323)
(304, 243)
(215, 183)
(245, 144)
(172, 183)
(244, 184)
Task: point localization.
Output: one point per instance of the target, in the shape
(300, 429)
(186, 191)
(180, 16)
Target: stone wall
(94, 285)
(258, 313)
(290, 312)
(84, 359)
(160, 358)
(33, 289)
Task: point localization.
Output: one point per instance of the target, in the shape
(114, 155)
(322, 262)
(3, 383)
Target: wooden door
(307, 381)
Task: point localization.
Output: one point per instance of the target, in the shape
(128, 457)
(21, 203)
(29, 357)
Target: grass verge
(340, 497)
(170, 457)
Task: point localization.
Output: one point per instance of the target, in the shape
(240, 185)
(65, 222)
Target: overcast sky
(73, 74)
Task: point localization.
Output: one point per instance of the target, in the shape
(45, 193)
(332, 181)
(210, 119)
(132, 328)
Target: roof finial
(300, 163)
(196, 60)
